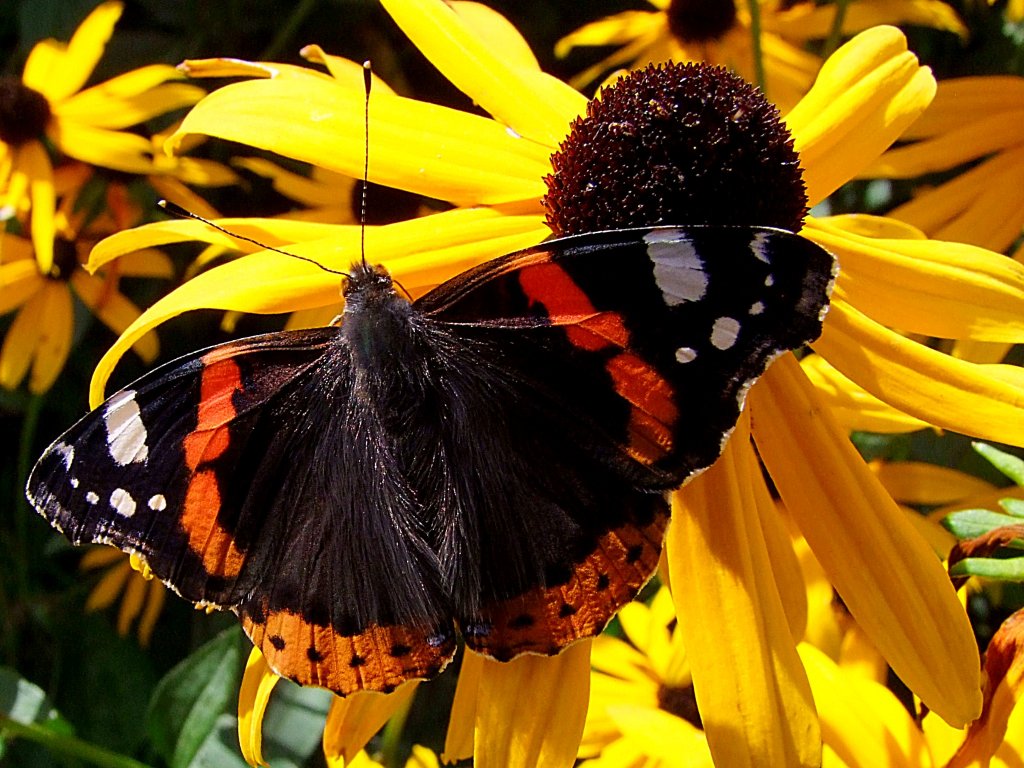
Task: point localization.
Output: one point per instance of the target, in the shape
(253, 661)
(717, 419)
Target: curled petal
(533, 104)
(866, 94)
(253, 696)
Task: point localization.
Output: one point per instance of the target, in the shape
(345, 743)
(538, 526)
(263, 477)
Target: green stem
(755, 45)
(287, 30)
(67, 745)
(835, 34)
(26, 444)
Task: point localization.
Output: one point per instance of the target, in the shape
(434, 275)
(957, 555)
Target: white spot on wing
(686, 355)
(91, 497)
(157, 503)
(756, 308)
(678, 269)
(122, 502)
(769, 281)
(74, 482)
(759, 247)
(67, 453)
(126, 434)
(724, 332)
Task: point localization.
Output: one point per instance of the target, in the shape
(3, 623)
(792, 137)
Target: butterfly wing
(246, 479)
(622, 360)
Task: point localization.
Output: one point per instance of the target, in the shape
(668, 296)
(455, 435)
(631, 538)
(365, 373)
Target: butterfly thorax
(376, 320)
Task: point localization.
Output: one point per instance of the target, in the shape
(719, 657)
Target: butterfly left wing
(245, 480)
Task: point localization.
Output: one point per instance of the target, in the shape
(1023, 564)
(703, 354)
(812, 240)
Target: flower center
(65, 259)
(24, 112)
(698, 21)
(676, 144)
(681, 702)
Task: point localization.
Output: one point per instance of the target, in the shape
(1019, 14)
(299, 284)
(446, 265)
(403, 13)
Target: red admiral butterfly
(492, 458)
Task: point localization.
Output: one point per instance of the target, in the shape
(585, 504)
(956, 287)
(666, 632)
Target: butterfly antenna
(367, 80)
(177, 210)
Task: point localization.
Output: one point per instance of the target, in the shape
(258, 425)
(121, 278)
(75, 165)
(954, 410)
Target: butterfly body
(490, 459)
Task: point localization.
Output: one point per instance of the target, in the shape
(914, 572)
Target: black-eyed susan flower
(769, 48)
(48, 106)
(39, 339)
(727, 549)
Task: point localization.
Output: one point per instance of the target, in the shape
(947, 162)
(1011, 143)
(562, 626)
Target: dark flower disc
(24, 112)
(676, 144)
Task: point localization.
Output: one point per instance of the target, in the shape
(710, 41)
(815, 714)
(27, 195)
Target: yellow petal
(944, 289)
(543, 729)
(458, 742)
(34, 162)
(19, 281)
(893, 584)
(785, 566)
(960, 98)
(620, 659)
(253, 696)
(352, 721)
(442, 244)
(809, 22)
(619, 29)
(866, 94)
(40, 336)
(62, 72)
(861, 720)
(109, 587)
(751, 690)
(970, 140)
(119, 150)
(949, 393)
(131, 603)
(157, 594)
(853, 407)
(299, 188)
(915, 482)
(104, 107)
(534, 105)
(496, 32)
(416, 146)
(114, 311)
(668, 741)
(350, 73)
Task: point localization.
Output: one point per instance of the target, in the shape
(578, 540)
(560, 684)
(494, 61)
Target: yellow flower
(723, 33)
(39, 338)
(48, 104)
(729, 556)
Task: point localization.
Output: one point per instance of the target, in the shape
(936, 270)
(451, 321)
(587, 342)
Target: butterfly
(490, 461)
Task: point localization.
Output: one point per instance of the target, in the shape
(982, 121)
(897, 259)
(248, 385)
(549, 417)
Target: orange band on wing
(376, 659)
(206, 536)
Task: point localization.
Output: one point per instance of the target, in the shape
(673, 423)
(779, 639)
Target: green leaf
(1010, 569)
(971, 523)
(1007, 463)
(26, 713)
(1013, 507)
(188, 702)
(26, 703)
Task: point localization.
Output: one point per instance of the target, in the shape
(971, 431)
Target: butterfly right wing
(246, 477)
